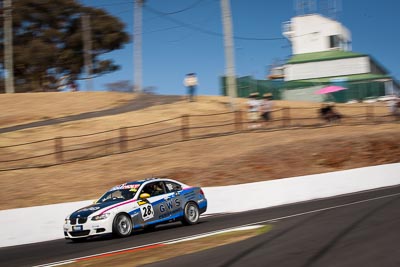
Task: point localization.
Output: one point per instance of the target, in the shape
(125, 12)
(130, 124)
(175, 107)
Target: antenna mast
(304, 7)
(331, 8)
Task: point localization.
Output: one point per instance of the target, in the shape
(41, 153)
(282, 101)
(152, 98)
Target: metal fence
(66, 149)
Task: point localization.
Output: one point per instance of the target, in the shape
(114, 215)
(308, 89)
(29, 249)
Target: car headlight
(101, 217)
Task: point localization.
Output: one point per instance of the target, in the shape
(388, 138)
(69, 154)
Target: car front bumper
(87, 229)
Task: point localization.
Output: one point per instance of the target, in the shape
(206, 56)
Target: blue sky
(170, 50)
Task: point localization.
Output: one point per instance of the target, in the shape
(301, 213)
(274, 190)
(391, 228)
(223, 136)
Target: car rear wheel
(191, 214)
(122, 225)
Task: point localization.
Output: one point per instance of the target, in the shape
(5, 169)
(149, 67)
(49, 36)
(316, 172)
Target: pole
(137, 46)
(185, 127)
(229, 52)
(8, 48)
(87, 47)
(58, 147)
(238, 120)
(123, 144)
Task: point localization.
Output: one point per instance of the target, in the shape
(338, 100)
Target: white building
(315, 33)
(321, 53)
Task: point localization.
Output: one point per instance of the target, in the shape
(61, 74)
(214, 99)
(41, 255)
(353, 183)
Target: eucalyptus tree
(48, 44)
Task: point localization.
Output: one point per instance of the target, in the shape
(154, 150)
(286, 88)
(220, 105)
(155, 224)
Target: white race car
(137, 205)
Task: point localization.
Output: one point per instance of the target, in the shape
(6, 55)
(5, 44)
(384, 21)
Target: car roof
(146, 180)
(139, 183)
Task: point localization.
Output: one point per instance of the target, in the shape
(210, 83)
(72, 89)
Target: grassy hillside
(238, 158)
(23, 108)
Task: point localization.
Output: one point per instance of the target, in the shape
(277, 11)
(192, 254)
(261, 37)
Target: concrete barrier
(43, 223)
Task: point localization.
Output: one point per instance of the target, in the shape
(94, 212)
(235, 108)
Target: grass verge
(140, 257)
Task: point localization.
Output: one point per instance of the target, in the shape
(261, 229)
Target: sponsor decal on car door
(172, 206)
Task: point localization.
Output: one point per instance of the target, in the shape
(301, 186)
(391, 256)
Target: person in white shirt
(191, 83)
(394, 106)
(266, 106)
(253, 106)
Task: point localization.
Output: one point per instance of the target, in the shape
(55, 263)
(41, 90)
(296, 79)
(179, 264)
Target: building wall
(305, 91)
(310, 33)
(303, 94)
(376, 69)
(328, 68)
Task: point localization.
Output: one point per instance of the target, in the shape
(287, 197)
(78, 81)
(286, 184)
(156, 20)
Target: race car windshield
(118, 195)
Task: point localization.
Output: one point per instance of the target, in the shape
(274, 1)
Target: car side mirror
(144, 196)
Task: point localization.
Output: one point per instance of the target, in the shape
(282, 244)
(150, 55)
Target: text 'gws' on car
(137, 205)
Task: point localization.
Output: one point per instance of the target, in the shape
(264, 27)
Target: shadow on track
(323, 251)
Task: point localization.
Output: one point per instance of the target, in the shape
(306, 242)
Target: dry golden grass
(240, 158)
(142, 257)
(24, 108)
(58, 106)
(205, 105)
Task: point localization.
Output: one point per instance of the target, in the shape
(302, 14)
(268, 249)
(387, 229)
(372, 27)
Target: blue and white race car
(137, 205)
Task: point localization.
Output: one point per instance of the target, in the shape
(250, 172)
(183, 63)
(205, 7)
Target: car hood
(86, 211)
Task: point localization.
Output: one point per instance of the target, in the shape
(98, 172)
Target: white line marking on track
(241, 228)
(323, 209)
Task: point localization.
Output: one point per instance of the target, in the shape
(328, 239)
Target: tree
(48, 42)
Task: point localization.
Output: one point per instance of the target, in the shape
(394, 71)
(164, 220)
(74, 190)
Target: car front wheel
(191, 214)
(122, 225)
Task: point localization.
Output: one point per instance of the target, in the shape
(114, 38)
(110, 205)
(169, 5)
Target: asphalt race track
(365, 234)
(353, 230)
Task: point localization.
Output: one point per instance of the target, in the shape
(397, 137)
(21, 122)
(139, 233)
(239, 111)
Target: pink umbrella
(329, 89)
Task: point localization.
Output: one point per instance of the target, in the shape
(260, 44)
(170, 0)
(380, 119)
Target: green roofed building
(321, 56)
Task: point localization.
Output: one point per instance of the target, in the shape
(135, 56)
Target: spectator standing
(329, 113)
(73, 86)
(394, 107)
(253, 107)
(266, 106)
(191, 83)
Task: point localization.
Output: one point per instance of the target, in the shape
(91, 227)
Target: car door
(150, 207)
(173, 200)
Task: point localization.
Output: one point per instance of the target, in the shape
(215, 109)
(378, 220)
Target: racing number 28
(147, 212)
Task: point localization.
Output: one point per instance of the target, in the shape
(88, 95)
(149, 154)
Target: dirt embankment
(300, 152)
(233, 159)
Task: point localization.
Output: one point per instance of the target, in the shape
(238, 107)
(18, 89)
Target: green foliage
(48, 42)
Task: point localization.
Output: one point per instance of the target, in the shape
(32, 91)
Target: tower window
(334, 41)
